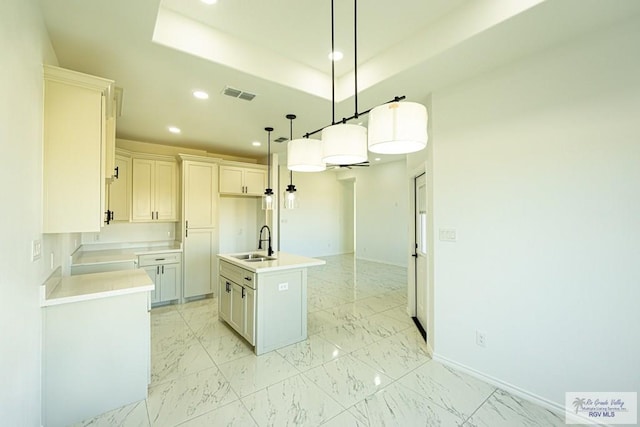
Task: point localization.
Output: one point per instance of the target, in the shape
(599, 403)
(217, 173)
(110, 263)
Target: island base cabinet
(97, 364)
(236, 306)
(281, 311)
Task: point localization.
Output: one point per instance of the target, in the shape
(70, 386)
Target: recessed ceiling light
(209, 1)
(174, 129)
(336, 55)
(200, 94)
(377, 159)
(256, 143)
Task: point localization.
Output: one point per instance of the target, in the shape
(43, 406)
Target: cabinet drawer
(158, 259)
(237, 274)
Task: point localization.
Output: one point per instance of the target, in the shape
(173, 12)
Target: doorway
(348, 217)
(421, 245)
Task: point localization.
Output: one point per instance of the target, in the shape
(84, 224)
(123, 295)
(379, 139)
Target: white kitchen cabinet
(75, 115)
(96, 357)
(237, 302)
(200, 194)
(224, 299)
(154, 190)
(119, 201)
(199, 225)
(242, 180)
(165, 270)
(200, 268)
(109, 151)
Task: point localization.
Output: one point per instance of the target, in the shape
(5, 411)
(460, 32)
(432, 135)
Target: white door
(421, 247)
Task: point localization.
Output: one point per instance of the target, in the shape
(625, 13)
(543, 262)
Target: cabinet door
(72, 182)
(255, 181)
(165, 192)
(110, 145)
(236, 319)
(231, 180)
(249, 307)
(171, 280)
(224, 299)
(152, 271)
(200, 266)
(200, 194)
(120, 190)
(142, 189)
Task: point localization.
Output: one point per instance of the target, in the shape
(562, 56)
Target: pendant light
(268, 199)
(304, 155)
(398, 128)
(290, 200)
(344, 144)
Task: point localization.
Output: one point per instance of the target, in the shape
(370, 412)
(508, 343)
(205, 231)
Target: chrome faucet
(268, 239)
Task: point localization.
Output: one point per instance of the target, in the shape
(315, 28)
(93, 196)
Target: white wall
(131, 232)
(316, 227)
(240, 221)
(537, 167)
(24, 45)
(382, 204)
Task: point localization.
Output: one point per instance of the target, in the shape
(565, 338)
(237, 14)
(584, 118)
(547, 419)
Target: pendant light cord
(291, 117)
(333, 71)
(268, 129)
(355, 55)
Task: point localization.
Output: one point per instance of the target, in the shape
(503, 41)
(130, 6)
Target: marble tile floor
(363, 364)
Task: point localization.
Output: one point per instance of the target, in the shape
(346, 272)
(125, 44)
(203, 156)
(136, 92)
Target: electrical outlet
(447, 235)
(36, 249)
(481, 338)
(283, 286)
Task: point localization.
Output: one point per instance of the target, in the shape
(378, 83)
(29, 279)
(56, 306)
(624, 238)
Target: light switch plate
(36, 249)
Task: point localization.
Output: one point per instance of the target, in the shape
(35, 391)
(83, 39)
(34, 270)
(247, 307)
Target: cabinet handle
(157, 269)
(160, 259)
(117, 172)
(247, 278)
(186, 229)
(163, 269)
(227, 287)
(243, 290)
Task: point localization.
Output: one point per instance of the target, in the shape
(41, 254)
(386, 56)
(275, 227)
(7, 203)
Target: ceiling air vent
(281, 139)
(237, 93)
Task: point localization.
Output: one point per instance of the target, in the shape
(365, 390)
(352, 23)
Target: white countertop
(62, 290)
(283, 261)
(83, 257)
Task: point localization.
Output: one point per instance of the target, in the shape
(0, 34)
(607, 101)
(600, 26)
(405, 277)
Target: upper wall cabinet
(75, 115)
(119, 206)
(242, 179)
(154, 189)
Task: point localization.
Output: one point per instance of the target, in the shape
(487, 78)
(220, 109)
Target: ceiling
(159, 52)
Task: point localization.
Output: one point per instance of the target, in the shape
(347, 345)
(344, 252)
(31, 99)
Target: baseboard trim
(515, 390)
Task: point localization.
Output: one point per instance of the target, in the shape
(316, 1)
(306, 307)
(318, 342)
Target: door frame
(414, 256)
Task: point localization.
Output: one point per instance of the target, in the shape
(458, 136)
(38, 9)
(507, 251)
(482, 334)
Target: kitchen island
(264, 298)
(96, 343)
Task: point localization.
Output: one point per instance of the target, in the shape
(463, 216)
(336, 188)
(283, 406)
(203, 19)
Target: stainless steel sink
(260, 259)
(253, 257)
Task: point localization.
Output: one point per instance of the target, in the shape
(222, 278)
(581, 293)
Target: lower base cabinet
(166, 272)
(96, 357)
(237, 307)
